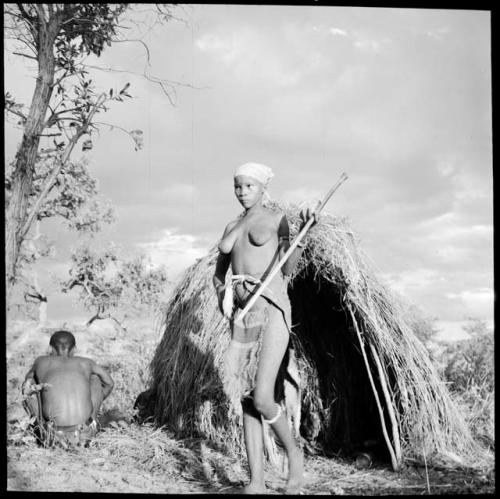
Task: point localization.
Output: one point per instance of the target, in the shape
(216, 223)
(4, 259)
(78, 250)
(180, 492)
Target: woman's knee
(265, 404)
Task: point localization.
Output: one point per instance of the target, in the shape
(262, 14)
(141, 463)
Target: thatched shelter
(366, 378)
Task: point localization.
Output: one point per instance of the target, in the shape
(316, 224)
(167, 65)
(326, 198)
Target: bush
(469, 363)
(469, 370)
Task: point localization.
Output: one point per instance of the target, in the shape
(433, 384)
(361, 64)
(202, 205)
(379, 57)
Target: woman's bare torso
(253, 242)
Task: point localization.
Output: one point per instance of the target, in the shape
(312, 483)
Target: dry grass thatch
(365, 376)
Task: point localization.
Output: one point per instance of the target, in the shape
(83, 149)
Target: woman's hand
(308, 210)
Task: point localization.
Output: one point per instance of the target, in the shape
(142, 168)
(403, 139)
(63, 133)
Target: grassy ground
(127, 457)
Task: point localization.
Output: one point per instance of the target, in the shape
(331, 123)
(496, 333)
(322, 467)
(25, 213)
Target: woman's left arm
(284, 245)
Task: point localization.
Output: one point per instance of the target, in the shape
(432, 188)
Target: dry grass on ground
(127, 457)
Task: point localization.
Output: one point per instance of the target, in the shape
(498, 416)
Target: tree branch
(24, 13)
(29, 20)
(25, 55)
(17, 113)
(58, 134)
(38, 297)
(54, 116)
(55, 172)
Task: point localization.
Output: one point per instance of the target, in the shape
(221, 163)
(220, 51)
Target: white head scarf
(259, 172)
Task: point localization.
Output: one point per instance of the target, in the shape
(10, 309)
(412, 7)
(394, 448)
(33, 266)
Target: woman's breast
(227, 243)
(243, 237)
(258, 236)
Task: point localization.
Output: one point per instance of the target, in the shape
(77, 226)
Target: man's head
(62, 342)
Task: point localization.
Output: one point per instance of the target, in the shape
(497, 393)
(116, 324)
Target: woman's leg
(252, 427)
(274, 344)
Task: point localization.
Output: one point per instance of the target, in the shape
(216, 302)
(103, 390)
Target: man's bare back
(73, 388)
(66, 398)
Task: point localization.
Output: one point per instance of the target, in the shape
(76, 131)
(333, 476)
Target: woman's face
(248, 191)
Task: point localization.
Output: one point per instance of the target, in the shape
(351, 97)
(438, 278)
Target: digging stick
(394, 461)
(290, 250)
(390, 408)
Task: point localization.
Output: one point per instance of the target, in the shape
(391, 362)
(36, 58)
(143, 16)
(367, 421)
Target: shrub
(469, 363)
(469, 370)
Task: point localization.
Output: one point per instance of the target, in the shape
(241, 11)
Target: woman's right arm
(221, 267)
(219, 279)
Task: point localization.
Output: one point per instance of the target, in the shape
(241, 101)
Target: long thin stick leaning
(290, 250)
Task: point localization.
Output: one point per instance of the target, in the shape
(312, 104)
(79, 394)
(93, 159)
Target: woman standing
(257, 356)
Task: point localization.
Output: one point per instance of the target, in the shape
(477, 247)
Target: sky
(399, 99)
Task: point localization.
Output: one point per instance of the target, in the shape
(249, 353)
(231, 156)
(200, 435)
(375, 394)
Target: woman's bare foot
(295, 466)
(254, 488)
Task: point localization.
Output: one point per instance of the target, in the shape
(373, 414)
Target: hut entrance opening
(339, 412)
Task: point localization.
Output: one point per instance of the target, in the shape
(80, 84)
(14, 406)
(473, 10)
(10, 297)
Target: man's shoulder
(41, 359)
(86, 360)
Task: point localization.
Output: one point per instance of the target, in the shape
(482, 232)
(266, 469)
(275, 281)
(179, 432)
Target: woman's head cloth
(259, 172)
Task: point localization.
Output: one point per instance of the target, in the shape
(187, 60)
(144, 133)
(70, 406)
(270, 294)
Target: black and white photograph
(248, 249)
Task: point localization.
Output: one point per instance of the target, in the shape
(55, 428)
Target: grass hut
(365, 377)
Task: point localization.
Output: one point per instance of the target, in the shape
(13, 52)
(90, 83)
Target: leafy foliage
(88, 27)
(109, 284)
(14, 107)
(74, 196)
(64, 103)
(469, 370)
(470, 363)
(143, 286)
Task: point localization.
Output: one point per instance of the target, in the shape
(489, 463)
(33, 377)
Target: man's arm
(29, 379)
(106, 380)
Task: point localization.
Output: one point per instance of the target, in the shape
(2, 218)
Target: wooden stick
(375, 393)
(390, 408)
(290, 250)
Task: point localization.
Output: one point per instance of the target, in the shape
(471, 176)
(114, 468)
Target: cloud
(448, 233)
(175, 251)
(438, 33)
(388, 95)
(251, 55)
(179, 192)
(451, 331)
(297, 196)
(338, 31)
(370, 43)
(407, 281)
(474, 302)
(227, 48)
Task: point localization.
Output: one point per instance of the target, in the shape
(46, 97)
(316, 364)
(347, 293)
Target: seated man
(64, 393)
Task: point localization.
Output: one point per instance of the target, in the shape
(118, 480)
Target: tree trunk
(22, 178)
(42, 314)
